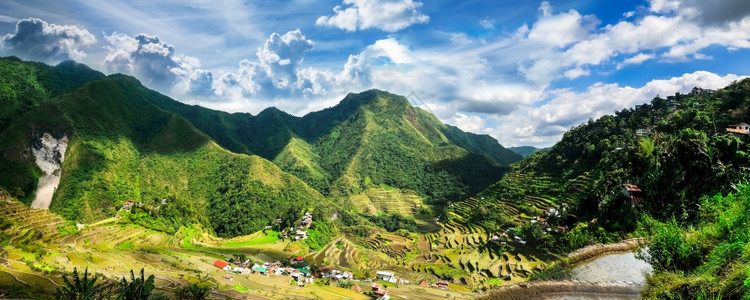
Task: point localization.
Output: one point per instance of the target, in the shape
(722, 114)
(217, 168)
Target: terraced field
(454, 250)
(112, 249)
(388, 200)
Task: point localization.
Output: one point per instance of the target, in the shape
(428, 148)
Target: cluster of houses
(129, 204)
(300, 233)
(548, 212)
(303, 275)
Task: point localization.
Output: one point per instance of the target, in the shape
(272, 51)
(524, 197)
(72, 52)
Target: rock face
(49, 153)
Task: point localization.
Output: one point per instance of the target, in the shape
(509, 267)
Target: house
(305, 270)
(742, 128)
(356, 288)
(222, 265)
(385, 297)
(269, 227)
(294, 260)
(550, 211)
(383, 275)
(326, 272)
(632, 192)
(442, 284)
(297, 275)
(643, 132)
(260, 269)
(128, 204)
(423, 283)
(228, 277)
(562, 228)
(347, 275)
(238, 270)
(378, 289)
(301, 235)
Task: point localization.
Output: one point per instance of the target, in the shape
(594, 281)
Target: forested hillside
(368, 139)
(124, 147)
(679, 153)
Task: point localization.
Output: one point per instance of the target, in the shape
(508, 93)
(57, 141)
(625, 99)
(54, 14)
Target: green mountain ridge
(309, 146)
(525, 151)
(689, 202)
(124, 147)
(129, 142)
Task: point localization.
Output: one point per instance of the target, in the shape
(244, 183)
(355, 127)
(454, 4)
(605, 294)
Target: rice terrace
(235, 149)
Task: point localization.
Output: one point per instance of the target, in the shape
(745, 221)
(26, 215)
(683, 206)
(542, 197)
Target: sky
(523, 72)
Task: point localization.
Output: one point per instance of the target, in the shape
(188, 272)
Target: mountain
(525, 151)
(121, 146)
(368, 139)
(676, 151)
(25, 85)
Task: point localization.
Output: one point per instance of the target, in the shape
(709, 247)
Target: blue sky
(521, 71)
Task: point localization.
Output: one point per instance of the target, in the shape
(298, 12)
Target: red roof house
(221, 264)
(356, 288)
(633, 192)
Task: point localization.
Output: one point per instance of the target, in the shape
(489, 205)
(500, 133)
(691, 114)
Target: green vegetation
(675, 150)
(137, 288)
(711, 258)
(370, 138)
(267, 237)
(83, 287)
(525, 151)
(124, 147)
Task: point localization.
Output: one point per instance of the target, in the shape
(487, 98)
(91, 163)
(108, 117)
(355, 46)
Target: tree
(192, 292)
(137, 288)
(83, 288)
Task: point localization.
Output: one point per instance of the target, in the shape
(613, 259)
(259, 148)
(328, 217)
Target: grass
(240, 288)
(269, 237)
(387, 284)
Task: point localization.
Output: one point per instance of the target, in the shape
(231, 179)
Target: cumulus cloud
(544, 125)
(38, 40)
(386, 15)
(277, 72)
(568, 44)
(467, 122)
(156, 64)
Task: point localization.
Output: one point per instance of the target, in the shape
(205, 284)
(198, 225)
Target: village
(301, 273)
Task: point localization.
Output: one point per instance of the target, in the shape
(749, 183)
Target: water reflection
(618, 267)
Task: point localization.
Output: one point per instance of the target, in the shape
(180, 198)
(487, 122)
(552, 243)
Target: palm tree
(192, 292)
(83, 288)
(137, 288)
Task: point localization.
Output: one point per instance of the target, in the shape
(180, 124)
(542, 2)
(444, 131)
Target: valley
(369, 198)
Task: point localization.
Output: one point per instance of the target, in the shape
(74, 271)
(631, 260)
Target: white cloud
(544, 125)
(36, 39)
(157, 65)
(636, 59)
(467, 123)
(575, 73)
(386, 15)
(391, 49)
